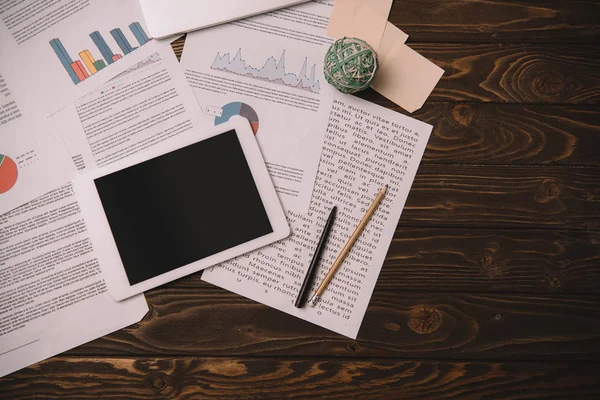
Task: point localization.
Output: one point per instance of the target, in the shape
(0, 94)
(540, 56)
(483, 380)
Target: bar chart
(86, 66)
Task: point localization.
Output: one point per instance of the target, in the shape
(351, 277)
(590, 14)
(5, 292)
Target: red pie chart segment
(8, 173)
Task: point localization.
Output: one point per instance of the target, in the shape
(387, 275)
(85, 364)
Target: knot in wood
(352, 347)
(463, 114)
(548, 190)
(161, 383)
(555, 282)
(487, 262)
(158, 383)
(549, 84)
(425, 320)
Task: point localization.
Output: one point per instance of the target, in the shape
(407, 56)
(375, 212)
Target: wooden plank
(493, 261)
(511, 133)
(266, 378)
(485, 261)
(513, 73)
(552, 21)
(504, 196)
(208, 321)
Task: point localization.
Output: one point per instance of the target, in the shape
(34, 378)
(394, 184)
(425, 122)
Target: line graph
(272, 71)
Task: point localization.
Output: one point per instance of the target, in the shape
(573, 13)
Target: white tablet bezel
(101, 235)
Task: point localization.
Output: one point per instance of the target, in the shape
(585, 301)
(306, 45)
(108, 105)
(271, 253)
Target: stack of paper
(82, 86)
(274, 63)
(52, 295)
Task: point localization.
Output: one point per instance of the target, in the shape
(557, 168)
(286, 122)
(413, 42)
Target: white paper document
(52, 295)
(33, 158)
(143, 107)
(269, 69)
(366, 147)
(54, 52)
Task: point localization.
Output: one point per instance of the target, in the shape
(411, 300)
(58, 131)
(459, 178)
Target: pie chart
(8, 173)
(242, 109)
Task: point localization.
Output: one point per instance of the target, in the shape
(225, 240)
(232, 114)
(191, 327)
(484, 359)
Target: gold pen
(340, 259)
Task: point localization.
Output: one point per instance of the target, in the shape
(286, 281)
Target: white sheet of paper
(33, 159)
(30, 166)
(146, 106)
(406, 77)
(366, 147)
(55, 52)
(52, 295)
(270, 69)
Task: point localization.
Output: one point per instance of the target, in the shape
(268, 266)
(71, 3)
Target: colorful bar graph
(89, 61)
(64, 58)
(77, 68)
(121, 41)
(139, 33)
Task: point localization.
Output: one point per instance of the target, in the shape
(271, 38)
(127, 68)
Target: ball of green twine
(350, 65)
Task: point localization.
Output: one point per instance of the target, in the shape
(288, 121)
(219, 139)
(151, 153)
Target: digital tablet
(159, 216)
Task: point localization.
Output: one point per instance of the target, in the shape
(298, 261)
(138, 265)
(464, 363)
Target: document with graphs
(51, 54)
(52, 292)
(54, 52)
(33, 158)
(269, 69)
(143, 107)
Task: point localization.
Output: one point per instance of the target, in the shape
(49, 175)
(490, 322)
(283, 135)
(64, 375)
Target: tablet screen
(183, 206)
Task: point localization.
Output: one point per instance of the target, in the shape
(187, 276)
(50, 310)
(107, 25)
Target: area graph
(84, 67)
(273, 71)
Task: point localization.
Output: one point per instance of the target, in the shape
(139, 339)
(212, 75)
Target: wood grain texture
(177, 46)
(551, 21)
(485, 261)
(515, 73)
(504, 197)
(264, 378)
(207, 321)
(481, 133)
(512, 73)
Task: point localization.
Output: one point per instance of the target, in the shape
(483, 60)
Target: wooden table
(491, 288)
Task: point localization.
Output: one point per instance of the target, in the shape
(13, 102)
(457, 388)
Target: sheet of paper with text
(52, 293)
(366, 147)
(269, 69)
(52, 53)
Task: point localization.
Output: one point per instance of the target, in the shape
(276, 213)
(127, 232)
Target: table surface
(491, 288)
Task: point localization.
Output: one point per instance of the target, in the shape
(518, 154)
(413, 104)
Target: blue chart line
(273, 71)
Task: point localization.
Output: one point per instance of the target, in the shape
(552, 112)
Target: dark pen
(315, 260)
